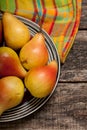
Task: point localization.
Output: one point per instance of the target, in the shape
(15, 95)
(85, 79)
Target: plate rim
(58, 75)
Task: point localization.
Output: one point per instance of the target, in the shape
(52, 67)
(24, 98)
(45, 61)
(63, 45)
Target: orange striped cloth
(60, 18)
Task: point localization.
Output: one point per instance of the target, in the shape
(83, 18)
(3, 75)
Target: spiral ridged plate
(31, 104)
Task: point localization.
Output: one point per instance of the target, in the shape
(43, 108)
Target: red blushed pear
(10, 64)
(11, 92)
(34, 53)
(41, 80)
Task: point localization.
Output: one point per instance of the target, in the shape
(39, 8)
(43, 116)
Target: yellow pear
(11, 92)
(16, 33)
(34, 53)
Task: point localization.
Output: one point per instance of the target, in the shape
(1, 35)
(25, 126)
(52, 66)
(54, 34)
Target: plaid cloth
(60, 18)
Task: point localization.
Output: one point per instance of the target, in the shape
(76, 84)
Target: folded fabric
(60, 18)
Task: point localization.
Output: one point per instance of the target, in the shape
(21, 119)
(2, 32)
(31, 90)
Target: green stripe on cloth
(39, 7)
(60, 18)
(62, 3)
(10, 5)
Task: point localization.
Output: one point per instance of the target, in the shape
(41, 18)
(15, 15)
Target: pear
(11, 92)
(34, 53)
(10, 64)
(40, 81)
(16, 33)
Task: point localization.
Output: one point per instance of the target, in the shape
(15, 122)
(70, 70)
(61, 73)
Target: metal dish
(31, 104)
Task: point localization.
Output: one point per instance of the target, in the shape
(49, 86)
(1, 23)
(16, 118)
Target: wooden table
(67, 108)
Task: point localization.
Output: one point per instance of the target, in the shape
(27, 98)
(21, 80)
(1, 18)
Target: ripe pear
(34, 53)
(10, 64)
(40, 81)
(16, 33)
(11, 92)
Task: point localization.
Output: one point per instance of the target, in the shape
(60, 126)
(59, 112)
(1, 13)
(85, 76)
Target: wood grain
(67, 108)
(75, 67)
(68, 111)
(83, 20)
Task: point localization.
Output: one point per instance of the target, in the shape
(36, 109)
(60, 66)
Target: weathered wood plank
(83, 20)
(73, 76)
(66, 110)
(84, 2)
(81, 36)
(75, 67)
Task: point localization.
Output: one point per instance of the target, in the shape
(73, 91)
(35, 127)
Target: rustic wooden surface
(67, 108)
